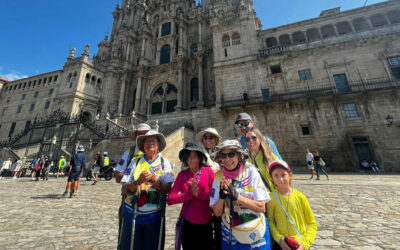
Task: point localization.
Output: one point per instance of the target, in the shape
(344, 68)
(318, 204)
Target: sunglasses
(224, 156)
(244, 124)
(248, 139)
(210, 137)
(154, 141)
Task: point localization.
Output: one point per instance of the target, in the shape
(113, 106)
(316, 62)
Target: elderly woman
(125, 165)
(209, 139)
(150, 181)
(193, 188)
(261, 154)
(239, 196)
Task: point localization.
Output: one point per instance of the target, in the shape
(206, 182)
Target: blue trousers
(146, 236)
(318, 168)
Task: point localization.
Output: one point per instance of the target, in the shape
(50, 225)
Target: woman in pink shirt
(193, 188)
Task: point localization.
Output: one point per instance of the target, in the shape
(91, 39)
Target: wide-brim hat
(278, 163)
(243, 117)
(161, 139)
(230, 144)
(191, 147)
(140, 127)
(80, 148)
(213, 131)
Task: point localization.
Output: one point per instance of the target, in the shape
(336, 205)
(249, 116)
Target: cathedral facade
(331, 82)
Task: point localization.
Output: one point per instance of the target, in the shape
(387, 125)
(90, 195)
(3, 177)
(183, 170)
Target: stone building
(331, 82)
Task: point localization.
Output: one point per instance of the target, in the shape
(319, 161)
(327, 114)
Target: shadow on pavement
(48, 196)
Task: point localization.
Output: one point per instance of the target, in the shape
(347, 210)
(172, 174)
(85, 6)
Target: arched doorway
(164, 99)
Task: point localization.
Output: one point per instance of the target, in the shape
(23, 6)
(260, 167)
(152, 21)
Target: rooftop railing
(323, 89)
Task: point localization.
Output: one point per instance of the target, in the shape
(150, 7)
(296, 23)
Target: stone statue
(72, 52)
(87, 47)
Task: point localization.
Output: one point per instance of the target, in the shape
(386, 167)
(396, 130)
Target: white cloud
(12, 75)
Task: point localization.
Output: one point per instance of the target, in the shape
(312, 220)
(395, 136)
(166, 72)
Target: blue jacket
(78, 161)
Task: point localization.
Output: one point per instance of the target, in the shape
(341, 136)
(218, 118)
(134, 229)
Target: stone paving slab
(352, 212)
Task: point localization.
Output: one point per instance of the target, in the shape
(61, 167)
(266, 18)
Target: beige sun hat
(161, 139)
(230, 144)
(199, 136)
(139, 127)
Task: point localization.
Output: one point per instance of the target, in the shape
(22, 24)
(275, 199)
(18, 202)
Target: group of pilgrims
(235, 194)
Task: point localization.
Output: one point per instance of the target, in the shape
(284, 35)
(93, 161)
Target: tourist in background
(310, 163)
(78, 161)
(261, 154)
(193, 188)
(17, 168)
(62, 164)
(149, 183)
(319, 165)
(239, 193)
(97, 163)
(5, 168)
(288, 205)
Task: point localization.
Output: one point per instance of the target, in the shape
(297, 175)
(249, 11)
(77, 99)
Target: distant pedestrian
(17, 168)
(6, 167)
(319, 165)
(310, 163)
(374, 167)
(98, 164)
(78, 161)
(62, 164)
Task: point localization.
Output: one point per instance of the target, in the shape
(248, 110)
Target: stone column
(199, 56)
(180, 84)
(200, 38)
(121, 97)
(180, 51)
(138, 98)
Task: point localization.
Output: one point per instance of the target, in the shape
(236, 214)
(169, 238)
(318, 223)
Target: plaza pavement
(352, 212)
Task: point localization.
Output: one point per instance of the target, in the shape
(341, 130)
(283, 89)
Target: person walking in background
(310, 163)
(374, 167)
(244, 122)
(17, 168)
(193, 188)
(291, 219)
(33, 167)
(62, 163)
(5, 168)
(125, 166)
(319, 165)
(239, 196)
(97, 163)
(39, 166)
(78, 161)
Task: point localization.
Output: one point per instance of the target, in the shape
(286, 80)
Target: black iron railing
(323, 89)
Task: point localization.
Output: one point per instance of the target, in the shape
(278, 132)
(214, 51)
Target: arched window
(69, 76)
(360, 24)
(194, 90)
(166, 29)
(93, 79)
(271, 42)
(164, 99)
(378, 20)
(394, 16)
(98, 83)
(343, 28)
(284, 39)
(165, 54)
(313, 34)
(298, 37)
(327, 31)
(226, 41)
(87, 80)
(235, 39)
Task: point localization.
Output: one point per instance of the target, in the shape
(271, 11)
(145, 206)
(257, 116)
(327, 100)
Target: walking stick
(231, 211)
(134, 205)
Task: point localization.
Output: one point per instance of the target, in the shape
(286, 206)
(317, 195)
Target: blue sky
(36, 35)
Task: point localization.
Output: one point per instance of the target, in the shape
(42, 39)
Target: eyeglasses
(210, 137)
(244, 124)
(154, 141)
(248, 139)
(224, 156)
